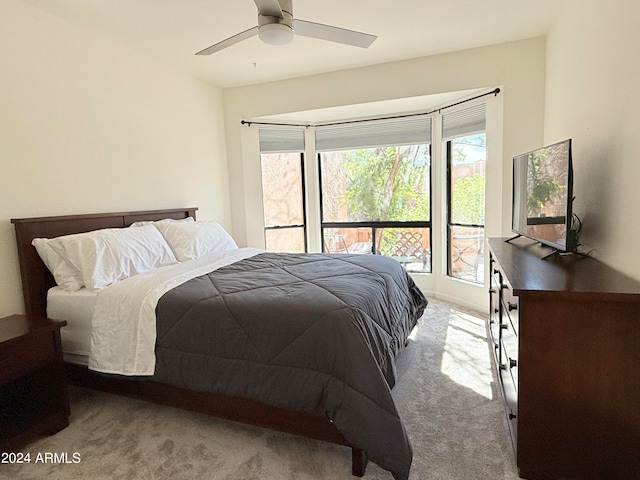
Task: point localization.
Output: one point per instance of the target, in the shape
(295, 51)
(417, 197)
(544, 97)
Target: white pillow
(190, 240)
(106, 256)
(66, 275)
(151, 222)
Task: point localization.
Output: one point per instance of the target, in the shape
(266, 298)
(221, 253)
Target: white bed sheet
(77, 309)
(123, 327)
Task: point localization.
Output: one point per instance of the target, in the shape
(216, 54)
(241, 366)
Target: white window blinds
(465, 121)
(275, 140)
(374, 133)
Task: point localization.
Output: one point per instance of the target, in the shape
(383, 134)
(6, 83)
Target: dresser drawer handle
(512, 416)
(512, 363)
(512, 306)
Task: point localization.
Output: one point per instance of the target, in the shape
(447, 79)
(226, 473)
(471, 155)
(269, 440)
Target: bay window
(368, 188)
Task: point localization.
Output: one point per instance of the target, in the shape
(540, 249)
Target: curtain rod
(494, 92)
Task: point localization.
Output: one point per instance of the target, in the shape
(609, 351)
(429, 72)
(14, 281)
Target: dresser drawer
(509, 354)
(495, 275)
(495, 313)
(511, 306)
(511, 399)
(494, 317)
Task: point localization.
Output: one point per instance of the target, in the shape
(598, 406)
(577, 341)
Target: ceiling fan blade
(270, 8)
(229, 41)
(333, 34)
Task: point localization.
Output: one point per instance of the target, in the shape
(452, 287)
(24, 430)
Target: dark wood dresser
(34, 398)
(566, 338)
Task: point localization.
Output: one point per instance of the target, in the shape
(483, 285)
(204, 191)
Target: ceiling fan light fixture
(275, 33)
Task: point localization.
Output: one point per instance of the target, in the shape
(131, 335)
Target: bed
(319, 363)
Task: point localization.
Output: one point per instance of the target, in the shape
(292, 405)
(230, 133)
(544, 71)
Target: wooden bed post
(359, 462)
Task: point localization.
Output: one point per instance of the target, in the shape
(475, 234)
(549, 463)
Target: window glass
(466, 158)
(376, 184)
(283, 202)
(378, 200)
(289, 239)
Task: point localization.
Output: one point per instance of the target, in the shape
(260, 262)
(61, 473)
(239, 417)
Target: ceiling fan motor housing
(276, 27)
(276, 30)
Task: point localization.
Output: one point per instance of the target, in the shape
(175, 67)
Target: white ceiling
(173, 30)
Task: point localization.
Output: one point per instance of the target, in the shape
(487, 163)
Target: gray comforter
(311, 332)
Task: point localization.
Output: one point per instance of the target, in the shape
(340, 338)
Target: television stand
(562, 253)
(510, 239)
(550, 255)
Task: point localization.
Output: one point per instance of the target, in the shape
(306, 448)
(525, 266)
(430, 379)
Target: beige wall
(88, 125)
(593, 72)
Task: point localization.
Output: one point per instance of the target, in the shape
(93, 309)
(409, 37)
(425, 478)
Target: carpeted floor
(447, 395)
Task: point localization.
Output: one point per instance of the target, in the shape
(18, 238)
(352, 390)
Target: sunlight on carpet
(466, 359)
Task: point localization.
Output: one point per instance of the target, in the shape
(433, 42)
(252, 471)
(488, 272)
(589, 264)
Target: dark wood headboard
(36, 278)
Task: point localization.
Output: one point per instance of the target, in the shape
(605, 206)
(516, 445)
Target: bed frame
(37, 280)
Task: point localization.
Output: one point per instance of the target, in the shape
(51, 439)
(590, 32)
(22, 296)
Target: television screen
(542, 196)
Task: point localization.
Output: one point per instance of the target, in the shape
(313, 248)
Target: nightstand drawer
(34, 399)
(24, 355)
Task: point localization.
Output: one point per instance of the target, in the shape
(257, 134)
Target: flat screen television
(543, 196)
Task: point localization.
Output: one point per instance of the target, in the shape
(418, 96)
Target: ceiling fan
(276, 26)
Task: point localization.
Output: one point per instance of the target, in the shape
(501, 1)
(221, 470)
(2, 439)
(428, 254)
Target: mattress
(77, 309)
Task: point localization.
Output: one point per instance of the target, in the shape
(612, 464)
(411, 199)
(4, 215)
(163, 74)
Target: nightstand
(34, 398)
